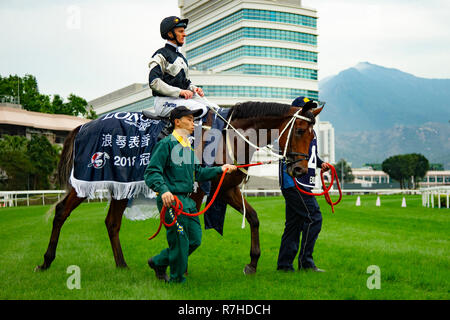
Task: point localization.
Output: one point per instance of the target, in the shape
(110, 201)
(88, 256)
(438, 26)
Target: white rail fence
(430, 195)
(43, 197)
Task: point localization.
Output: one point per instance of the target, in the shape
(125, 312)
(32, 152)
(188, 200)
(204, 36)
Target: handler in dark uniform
(303, 214)
(172, 170)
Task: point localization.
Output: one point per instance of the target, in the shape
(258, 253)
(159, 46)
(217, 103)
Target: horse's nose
(299, 171)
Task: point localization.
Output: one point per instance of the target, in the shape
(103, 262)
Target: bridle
(293, 154)
(269, 149)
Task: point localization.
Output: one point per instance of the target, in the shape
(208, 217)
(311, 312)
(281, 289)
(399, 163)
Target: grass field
(409, 245)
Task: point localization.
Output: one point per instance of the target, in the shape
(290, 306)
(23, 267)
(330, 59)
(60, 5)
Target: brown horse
(272, 117)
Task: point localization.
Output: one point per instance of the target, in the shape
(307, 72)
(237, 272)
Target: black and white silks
(169, 72)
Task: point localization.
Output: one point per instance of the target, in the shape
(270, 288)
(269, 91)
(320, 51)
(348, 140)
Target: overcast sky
(93, 47)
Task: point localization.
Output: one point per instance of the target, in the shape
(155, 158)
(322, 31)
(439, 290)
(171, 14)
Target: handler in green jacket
(172, 170)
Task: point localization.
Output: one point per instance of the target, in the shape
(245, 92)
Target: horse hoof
(249, 269)
(39, 268)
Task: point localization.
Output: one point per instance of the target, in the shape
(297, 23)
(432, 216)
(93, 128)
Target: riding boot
(168, 128)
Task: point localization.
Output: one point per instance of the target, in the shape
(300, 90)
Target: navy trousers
(303, 216)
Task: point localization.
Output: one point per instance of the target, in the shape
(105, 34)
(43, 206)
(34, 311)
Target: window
(270, 70)
(261, 92)
(254, 33)
(253, 14)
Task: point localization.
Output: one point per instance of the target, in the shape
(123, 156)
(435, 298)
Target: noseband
(292, 154)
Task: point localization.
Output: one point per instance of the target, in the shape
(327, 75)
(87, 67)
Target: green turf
(409, 245)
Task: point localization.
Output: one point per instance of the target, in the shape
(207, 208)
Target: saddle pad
(112, 152)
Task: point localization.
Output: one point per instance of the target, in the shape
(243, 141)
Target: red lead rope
(178, 207)
(325, 189)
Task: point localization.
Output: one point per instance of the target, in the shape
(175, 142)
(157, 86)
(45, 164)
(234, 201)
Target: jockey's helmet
(170, 23)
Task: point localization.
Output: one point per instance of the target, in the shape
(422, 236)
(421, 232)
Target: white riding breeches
(164, 105)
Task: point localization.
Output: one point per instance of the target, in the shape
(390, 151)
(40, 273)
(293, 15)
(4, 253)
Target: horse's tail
(66, 161)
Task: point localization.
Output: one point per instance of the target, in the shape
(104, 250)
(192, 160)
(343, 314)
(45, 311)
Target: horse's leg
(234, 198)
(198, 198)
(113, 222)
(62, 211)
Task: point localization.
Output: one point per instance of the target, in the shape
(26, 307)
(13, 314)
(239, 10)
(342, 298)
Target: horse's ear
(308, 106)
(317, 111)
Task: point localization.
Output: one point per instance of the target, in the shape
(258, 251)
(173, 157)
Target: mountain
(378, 112)
(430, 139)
(371, 97)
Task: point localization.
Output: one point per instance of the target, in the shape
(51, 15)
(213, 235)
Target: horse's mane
(253, 109)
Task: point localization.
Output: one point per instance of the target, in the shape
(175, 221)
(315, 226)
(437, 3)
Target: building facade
(260, 50)
(135, 97)
(325, 140)
(14, 120)
(369, 177)
(242, 50)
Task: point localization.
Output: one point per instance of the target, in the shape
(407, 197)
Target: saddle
(150, 114)
(167, 129)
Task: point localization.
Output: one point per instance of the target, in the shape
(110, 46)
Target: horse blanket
(112, 153)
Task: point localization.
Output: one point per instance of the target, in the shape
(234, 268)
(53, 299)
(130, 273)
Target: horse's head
(299, 139)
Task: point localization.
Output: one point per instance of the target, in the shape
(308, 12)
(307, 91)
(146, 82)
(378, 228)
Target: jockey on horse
(169, 73)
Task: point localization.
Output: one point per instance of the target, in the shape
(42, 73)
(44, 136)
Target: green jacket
(174, 168)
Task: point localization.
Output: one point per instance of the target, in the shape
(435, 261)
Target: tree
(27, 164)
(343, 167)
(406, 168)
(419, 165)
(91, 114)
(44, 159)
(15, 162)
(394, 167)
(26, 89)
(436, 166)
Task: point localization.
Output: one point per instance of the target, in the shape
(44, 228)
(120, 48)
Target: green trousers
(183, 238)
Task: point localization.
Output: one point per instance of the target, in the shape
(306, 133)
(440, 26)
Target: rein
(325, 189)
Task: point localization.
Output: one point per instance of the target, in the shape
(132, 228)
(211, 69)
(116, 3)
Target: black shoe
(285, 269)
(159, 271)
(314, 269)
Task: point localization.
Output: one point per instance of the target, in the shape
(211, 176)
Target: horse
(273, 117)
